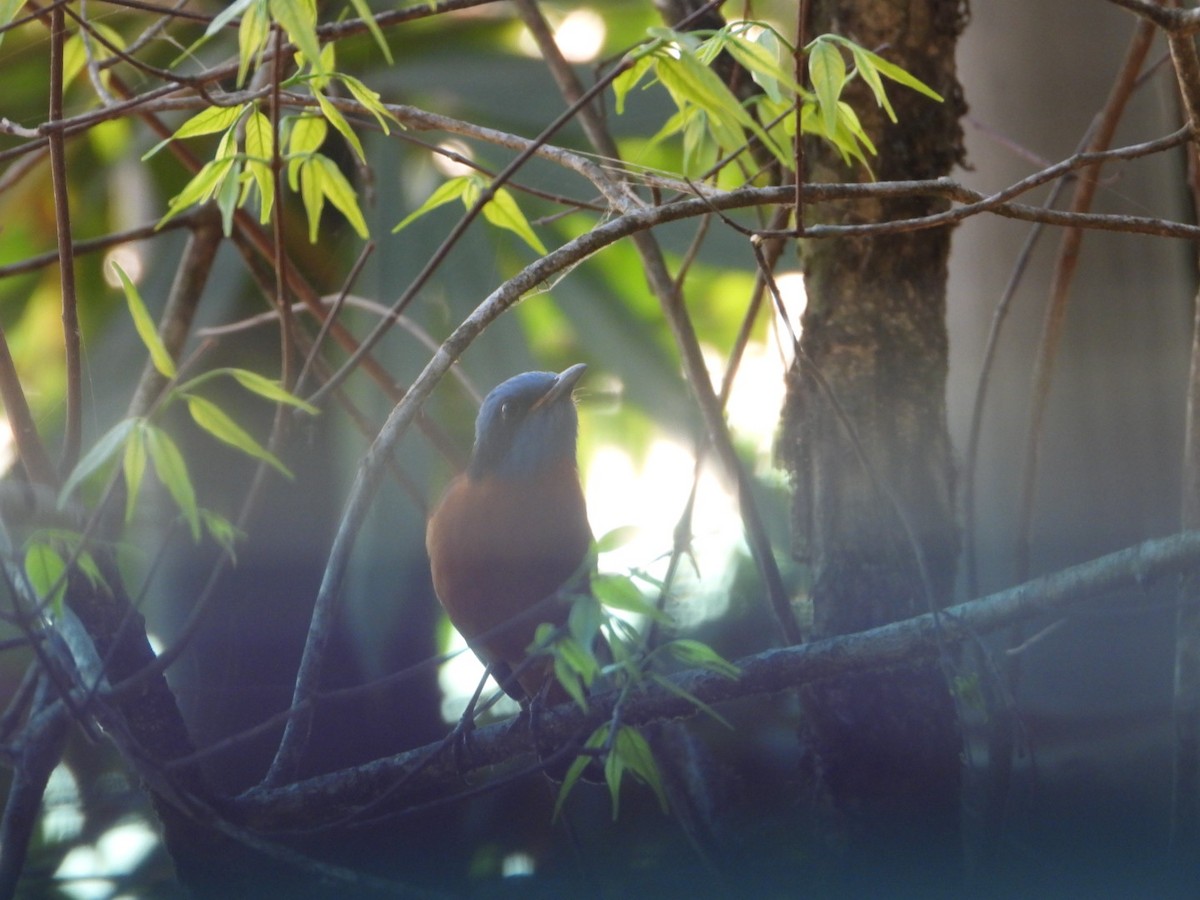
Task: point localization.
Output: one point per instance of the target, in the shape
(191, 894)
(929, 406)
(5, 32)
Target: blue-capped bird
(513, 529)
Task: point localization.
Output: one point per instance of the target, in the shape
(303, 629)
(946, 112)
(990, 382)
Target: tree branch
(327, 798)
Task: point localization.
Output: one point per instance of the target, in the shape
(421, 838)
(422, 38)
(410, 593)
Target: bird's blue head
(526, 424)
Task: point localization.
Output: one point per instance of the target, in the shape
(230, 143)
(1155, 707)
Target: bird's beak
(563, 385)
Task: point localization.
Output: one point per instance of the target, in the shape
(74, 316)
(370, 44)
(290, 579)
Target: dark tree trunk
(886, 747)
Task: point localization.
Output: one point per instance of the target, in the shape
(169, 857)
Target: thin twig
(73, 426)
(1064, 276)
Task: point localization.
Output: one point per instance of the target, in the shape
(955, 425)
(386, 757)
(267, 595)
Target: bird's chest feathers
(505, 544)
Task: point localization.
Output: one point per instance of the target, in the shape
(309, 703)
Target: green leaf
(46, 570)
(172, 472)
(371, 101)
(102, 451)
(364, 13)
(312, 195)
(253, 33)
(619, 592)
(8, 12)
(222, 531)
(340, 192)
(595, 741)
(203, 185)
(827, 71)
(227, 195)
(627, 80)
(260, 148)
(216, 422)
(145, 326)
(212, 120)
(701, 656)
(762, 64)
(570, 680)
(227, 15)
(502, 210)
(338, 121)
(895, 73)
(450, 190)
(635, 755)
(616, 538)
(269, 388)
(299, 20)
(308, 134)
(579, 658)
(870, 74)
(134, 465)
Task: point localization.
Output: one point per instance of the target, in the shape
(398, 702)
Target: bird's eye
(506, 411)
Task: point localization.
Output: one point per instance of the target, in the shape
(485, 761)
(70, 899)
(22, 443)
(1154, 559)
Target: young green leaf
(222, 531)
(340, 193)
(201, 188)
(216, 422)
(570, 680)
(308, 134)
(172, 472)
(619, 592)
(338, 121)
(46, 570)
(627, 80)
(701, 656)
(269, 388)
(260, 144)
(870, 74)
(145, 327)
(312, 195)
(827, 71)
(896, 74)
(595, 741)
(134, 464)
(616, 538)
(364, 13)
(211, 120)
(8, 11)
(635, 755)
(371, 101)
(253, 33)
(504, 212)
(227, 15)
(448, 191)
(102, 451)
(299, 20)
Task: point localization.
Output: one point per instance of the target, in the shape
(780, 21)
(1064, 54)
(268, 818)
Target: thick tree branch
(309, 804)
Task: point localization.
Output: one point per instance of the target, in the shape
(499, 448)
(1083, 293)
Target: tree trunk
(886, 749)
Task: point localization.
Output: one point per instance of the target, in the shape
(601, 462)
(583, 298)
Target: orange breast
(498, 547)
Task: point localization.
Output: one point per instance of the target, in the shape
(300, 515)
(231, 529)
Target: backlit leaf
(172, 472)
(217, 422)
(145, 326)
(101, 453)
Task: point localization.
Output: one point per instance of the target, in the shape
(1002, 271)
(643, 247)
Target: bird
(512, 530)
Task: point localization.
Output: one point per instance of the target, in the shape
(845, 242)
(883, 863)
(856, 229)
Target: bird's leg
(461, 736)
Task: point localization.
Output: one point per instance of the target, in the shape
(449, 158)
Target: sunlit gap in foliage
(8, 448)
(649, 494)
(579, 34)
(91, 871)
(448, 165)
(129, 258)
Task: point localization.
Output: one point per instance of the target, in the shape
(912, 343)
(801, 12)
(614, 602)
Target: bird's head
(526, 424)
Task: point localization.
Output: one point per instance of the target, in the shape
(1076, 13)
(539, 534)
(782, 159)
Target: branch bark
(387, 785)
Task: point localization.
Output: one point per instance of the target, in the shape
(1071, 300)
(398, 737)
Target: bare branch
(310, 803)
